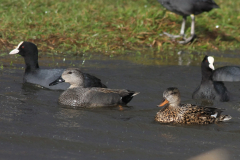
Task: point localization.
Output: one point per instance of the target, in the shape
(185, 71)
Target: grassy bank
(113, 26)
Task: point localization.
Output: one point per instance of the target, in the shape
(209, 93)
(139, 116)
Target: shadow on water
(34, 125)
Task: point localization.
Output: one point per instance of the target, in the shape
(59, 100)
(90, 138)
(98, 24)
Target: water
(34, 126)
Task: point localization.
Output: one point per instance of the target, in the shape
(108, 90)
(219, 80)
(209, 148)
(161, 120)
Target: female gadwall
(174, 112)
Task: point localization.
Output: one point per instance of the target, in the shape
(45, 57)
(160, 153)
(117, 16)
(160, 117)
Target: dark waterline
(34, 126)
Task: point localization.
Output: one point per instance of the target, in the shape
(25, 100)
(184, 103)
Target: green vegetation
(113, 26)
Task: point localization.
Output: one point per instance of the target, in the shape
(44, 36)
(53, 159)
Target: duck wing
(204, 115)
(92, 81)
(113, 96)
(215, 114)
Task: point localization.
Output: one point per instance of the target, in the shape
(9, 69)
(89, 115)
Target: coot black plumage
(186, 8)
(227, 74)
(210, 88)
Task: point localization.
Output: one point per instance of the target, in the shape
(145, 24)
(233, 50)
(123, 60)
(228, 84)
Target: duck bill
(163, 103)
(59, 80)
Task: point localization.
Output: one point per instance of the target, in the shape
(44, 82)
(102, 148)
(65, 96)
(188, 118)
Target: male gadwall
(77, 95)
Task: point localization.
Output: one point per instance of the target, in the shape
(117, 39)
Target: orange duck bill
(163, 103)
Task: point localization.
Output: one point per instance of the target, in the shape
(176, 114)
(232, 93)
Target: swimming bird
(174, 112)
(227, 74)
(186, 8)
(42, 77)
(212, 86)
(77, 95)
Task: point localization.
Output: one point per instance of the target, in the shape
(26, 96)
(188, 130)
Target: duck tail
(216, 113)
(104, 86)
(223, 118)
(126, 99)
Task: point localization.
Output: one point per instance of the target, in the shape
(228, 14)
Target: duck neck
(175, 105)
(75, 85)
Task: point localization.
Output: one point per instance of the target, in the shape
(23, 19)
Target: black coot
(186, 8)
(33, 74)
(209, 88)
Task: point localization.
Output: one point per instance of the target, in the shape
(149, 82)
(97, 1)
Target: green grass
(113, 26)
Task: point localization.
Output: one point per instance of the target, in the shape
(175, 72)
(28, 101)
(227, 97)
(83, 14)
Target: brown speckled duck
(77, 95)
(174, 112)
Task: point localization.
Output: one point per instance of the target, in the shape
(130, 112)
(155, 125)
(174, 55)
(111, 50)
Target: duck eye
(22, 46)
(69, 72)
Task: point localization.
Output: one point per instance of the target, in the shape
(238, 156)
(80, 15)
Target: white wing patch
(214, 115)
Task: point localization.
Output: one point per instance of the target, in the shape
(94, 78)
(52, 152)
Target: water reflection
(184, 58)
(65, 117)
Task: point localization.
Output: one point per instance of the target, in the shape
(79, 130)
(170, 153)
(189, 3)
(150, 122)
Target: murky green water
(34, 126)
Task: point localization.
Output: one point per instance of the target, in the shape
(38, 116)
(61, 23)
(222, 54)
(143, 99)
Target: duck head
(71, 75)
(171, 96)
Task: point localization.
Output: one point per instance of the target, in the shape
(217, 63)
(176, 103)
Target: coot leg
(171, 36)
(183, 26)
(181, 32)
(193, 36)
